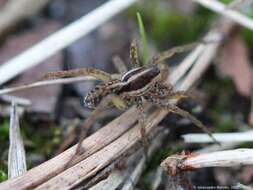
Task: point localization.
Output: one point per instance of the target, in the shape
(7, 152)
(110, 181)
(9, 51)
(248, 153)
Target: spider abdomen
(139, 80)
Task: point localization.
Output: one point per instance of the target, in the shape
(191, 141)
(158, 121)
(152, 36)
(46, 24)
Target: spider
(134, 87)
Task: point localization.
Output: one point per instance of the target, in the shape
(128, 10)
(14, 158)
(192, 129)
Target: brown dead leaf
(235, 63)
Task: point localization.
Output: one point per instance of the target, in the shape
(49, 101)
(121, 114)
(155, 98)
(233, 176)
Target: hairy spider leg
(183, 113)
(130, 100)
(98, 74)
(104, 104)
(87, 125)
(144, 137)
(156, 59)
(178, 95)
(134, 57)
(165, 92)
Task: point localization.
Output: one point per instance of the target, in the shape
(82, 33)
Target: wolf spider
(133, 87)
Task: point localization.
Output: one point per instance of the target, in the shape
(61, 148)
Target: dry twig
(215, 147)
(100, 159)
(221, 137)
(46, 83)
(92, 144)
(136, 173)
(157, 178)
(127, 178)
(175, 164)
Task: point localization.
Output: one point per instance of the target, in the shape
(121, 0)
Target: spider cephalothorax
(134, 87)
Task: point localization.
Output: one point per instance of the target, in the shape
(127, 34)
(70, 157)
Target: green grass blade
(144, 44)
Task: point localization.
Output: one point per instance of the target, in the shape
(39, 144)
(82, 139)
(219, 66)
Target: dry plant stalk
(46, 83)
(175, 164)
(136, 173)
(100, 159)
(127, 178)
(16, 158)
(186, 64)
(157, 180)
(216, 147)
(92, 144)
(102, 148)
(221, 137)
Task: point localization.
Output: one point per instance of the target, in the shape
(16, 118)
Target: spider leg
(166, 91)
(119, 64)
(87, 125)
(98, 74)
(134, 58)
(142, 121)
(179, 49)
(180, 95)
(183, 113)
(170, 52)
(130, 100)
